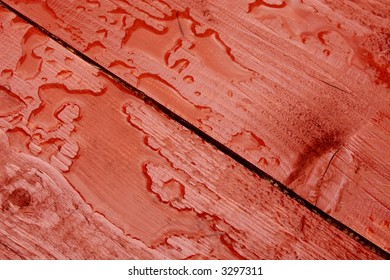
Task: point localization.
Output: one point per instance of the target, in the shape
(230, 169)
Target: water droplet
(248, 141)
(207, 14)
(274, 4)
(122, 69)
(326, 52)
(189, 79)
(103, 18)
(180, 65)
(93, 4)
(263, 161)
(64, 74)
(80, 9)
(7, 73)
(172, 191)
(275, 161)
(369, 231)
(95, 49)
(48, 51)
(68, 60)
(103, 32)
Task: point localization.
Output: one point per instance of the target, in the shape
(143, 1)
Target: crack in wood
(331, 85)
(329, 163)
(180, 27)
(326, 170)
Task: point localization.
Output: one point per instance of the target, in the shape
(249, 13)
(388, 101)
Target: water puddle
(10, 103)
(162, 90)
(248, 141)
(162, 45)
(29, 65)
(302, 21)
(122, 69)
(95, 50)
(274, 4)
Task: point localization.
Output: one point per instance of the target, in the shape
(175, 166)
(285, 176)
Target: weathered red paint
(88, 170)
(308, 78)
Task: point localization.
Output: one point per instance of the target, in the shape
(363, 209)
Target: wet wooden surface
(83, 152)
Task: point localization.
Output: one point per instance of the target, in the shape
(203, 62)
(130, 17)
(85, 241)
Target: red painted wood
(88, 170)
(299, 88)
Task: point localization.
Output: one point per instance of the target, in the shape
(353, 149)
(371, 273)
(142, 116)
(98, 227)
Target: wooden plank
(298, 88)
(88, 170)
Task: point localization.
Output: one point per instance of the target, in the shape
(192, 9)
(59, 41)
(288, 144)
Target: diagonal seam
(207, 138)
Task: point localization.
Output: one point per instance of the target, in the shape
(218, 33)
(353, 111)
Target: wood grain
(298, 88)
(90, 171)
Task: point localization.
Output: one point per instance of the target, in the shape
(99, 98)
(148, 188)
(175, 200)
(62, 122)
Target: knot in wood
(20, 197)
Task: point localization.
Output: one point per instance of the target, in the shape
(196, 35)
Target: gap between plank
(207, 138)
